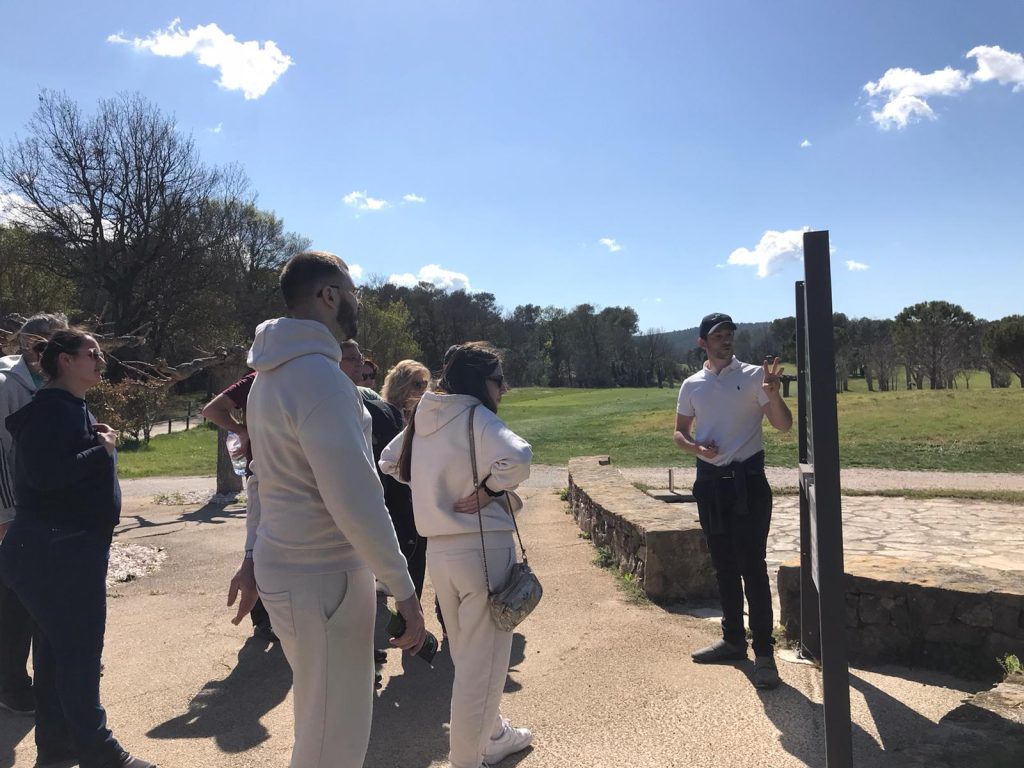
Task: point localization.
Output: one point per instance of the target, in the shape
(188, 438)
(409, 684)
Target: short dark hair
(67, 340)
(304, 271)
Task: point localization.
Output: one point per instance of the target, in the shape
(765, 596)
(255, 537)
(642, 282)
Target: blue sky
(663, 155)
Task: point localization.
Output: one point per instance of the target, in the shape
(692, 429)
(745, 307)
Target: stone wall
(914, 613)
(660, 544)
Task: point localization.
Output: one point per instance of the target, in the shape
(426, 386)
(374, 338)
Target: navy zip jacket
(63, 475)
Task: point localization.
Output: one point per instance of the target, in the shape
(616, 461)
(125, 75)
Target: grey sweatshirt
(16, 389)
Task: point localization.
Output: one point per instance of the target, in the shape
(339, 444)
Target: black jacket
(63, 475)
(387, 422)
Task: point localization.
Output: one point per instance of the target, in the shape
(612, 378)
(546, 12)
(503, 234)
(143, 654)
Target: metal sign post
(822, 588)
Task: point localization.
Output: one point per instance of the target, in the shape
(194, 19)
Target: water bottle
(234, 445)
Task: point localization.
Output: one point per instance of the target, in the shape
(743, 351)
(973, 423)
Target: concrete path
(603, 683)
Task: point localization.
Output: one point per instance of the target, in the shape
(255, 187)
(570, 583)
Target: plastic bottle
(234, 445)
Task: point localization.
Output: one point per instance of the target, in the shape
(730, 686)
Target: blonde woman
(404, 386)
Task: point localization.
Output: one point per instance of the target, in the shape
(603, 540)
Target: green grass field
(977, 429)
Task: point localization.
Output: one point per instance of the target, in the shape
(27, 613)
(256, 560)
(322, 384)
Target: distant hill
(681, 342)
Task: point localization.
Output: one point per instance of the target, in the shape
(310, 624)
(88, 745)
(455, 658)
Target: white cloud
(11, 211)
(363, 202)
(775, 250)
(610, 244)
(249, 66)
(805, 144)
(996, 64)
(218, 128)
(855, 266)
(906, 91)
(355, 271)
(413, 198)
(435, 275)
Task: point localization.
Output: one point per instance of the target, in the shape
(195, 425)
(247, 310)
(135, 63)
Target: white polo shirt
(728, 407)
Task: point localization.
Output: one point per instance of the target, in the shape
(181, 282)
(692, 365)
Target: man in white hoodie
(323, 532)
(20, 377)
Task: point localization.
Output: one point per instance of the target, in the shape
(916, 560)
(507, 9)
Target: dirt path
(603, 682)
(555, 476)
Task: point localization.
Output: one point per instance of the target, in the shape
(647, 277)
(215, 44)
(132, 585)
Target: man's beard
(347, 320)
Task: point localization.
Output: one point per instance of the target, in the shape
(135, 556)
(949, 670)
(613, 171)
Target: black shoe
(127, 761)
(20, 702)
(64, 753)
(380, 656)
(264, 631)
(721, 651)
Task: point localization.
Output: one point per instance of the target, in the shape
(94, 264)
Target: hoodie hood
(435, 410)
(15, 367)
(283, 339)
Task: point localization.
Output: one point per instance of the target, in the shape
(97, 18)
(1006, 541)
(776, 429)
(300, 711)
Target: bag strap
(476, 493)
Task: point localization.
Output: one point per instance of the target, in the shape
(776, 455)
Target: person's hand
(243, 441)
(772, 376)
(708, 451)
(243, 587)
(468, 504)
(415, 630)
(107, 437)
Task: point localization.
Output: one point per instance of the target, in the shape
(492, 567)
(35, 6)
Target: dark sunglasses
(368, 377)
(499, 380)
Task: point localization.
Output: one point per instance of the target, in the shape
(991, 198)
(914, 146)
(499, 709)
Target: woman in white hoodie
(432, 455)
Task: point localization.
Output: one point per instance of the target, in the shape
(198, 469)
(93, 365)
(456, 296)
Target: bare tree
(135, 212)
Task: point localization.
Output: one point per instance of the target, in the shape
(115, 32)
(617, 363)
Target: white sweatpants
(325, 622)
(480, 652)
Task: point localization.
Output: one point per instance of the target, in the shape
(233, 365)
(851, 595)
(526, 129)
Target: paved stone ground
(603, 682)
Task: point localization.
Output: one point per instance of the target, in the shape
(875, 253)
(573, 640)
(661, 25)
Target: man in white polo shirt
(727, 401)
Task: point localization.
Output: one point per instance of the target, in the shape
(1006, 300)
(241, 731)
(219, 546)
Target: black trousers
(60, 576)
(15, 640)
(738, 556)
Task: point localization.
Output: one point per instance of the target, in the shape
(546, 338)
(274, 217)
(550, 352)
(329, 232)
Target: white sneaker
(510, 741)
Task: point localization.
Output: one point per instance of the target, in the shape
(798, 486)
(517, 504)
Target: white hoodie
(442, 471)
(321, 502)
(16, 389)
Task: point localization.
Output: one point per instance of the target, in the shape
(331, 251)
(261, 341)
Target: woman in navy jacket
(55, 554)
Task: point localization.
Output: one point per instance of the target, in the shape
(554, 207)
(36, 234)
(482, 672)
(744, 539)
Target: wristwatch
(248, 554)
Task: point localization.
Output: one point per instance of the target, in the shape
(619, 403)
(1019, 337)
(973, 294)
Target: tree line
(114, 218)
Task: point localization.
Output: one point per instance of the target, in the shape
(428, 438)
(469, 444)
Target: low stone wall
(660, 544)
(911, 612)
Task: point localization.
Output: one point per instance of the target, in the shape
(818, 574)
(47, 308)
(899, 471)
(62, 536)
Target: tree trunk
(227, 480)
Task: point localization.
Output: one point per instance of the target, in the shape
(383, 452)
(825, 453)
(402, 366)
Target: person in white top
(728, 400)
(432, 456)
(323, 531)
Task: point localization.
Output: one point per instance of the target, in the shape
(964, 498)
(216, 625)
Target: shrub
(130, 407)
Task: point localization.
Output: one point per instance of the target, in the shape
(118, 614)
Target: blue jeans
(60, 576)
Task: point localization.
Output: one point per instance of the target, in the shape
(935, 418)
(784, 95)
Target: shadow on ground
(801, 724)
(13, 729)
(231, 710)
(410, 713)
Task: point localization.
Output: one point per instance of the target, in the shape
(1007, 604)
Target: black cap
(713, 322)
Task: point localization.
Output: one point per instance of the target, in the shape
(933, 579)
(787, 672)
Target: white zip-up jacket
(442, 471)
(16, 389)
(321, 502)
